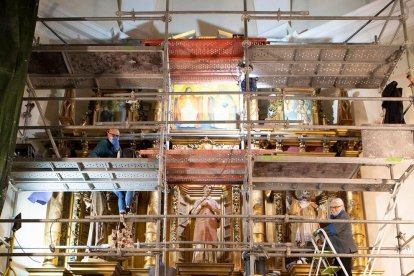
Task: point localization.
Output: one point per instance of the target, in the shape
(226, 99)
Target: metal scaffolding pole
(247, 15)
(160, 248)
(278, 125)
(42, 115)
(142, 218)
(130, 252)
(155, 96)
(165, 117)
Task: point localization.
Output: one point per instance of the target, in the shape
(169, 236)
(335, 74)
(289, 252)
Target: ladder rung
(330, 270)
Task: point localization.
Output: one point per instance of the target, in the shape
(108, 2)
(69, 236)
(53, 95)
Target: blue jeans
(124, 200)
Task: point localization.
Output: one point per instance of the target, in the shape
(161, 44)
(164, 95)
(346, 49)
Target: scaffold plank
(343, 66)
(326, 184)
(337, 160)
(85, 174)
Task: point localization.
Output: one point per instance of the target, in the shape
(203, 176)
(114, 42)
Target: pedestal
(361, 273)
(96, 268)
(204, 269)
(299, 269)
(138, 271)
(49, 271)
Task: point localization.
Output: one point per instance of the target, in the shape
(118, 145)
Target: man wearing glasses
(340, 234)
(106, 148)
(110, 148)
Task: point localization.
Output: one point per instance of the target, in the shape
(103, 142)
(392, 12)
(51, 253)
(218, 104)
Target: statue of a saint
(205, 228)
(302, 233)
(99, 207)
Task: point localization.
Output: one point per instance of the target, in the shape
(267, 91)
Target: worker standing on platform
(340, 234)
(110, 147)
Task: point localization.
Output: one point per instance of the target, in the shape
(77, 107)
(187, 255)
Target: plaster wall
(30, 236)
(369, 112)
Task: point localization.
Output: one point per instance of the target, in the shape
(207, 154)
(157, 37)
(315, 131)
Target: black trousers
(347, 262)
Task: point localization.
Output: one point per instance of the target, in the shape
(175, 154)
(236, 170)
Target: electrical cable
(36, 261)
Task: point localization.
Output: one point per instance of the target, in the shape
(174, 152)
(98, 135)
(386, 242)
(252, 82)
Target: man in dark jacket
(110, 148)
(340, 234)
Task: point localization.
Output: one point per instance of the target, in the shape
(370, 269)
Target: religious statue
(66, 115)
(302, 233)
(205, 229)
(344, 110)
(98, 231)
(275, 110)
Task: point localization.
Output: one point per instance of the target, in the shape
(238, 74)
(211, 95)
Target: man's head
(336, 206)
(113, 132)
(113, 137)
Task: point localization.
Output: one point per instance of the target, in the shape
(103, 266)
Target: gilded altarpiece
(182, 229)
(77, 234)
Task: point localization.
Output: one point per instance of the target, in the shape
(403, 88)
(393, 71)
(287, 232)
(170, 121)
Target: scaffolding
(249, 169)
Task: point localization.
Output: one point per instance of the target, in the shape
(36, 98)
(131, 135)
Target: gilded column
(356, 211)
(278, 199)
(151, 227)
(174, 226)
(52, 232)
(270, 210)
(236, 195)
(75, 227)
(278, 202)
(258, 209)
(274, 230)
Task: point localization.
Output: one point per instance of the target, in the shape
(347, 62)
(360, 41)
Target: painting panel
(298, 110)
(216, 108)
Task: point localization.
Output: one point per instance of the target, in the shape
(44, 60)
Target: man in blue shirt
(110, 147)
(340, 234)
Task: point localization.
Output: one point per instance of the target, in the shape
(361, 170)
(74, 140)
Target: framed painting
(293, 108)
(215, 111)
(300, 110)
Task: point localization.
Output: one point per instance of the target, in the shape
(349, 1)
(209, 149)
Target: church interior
(236, 124)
